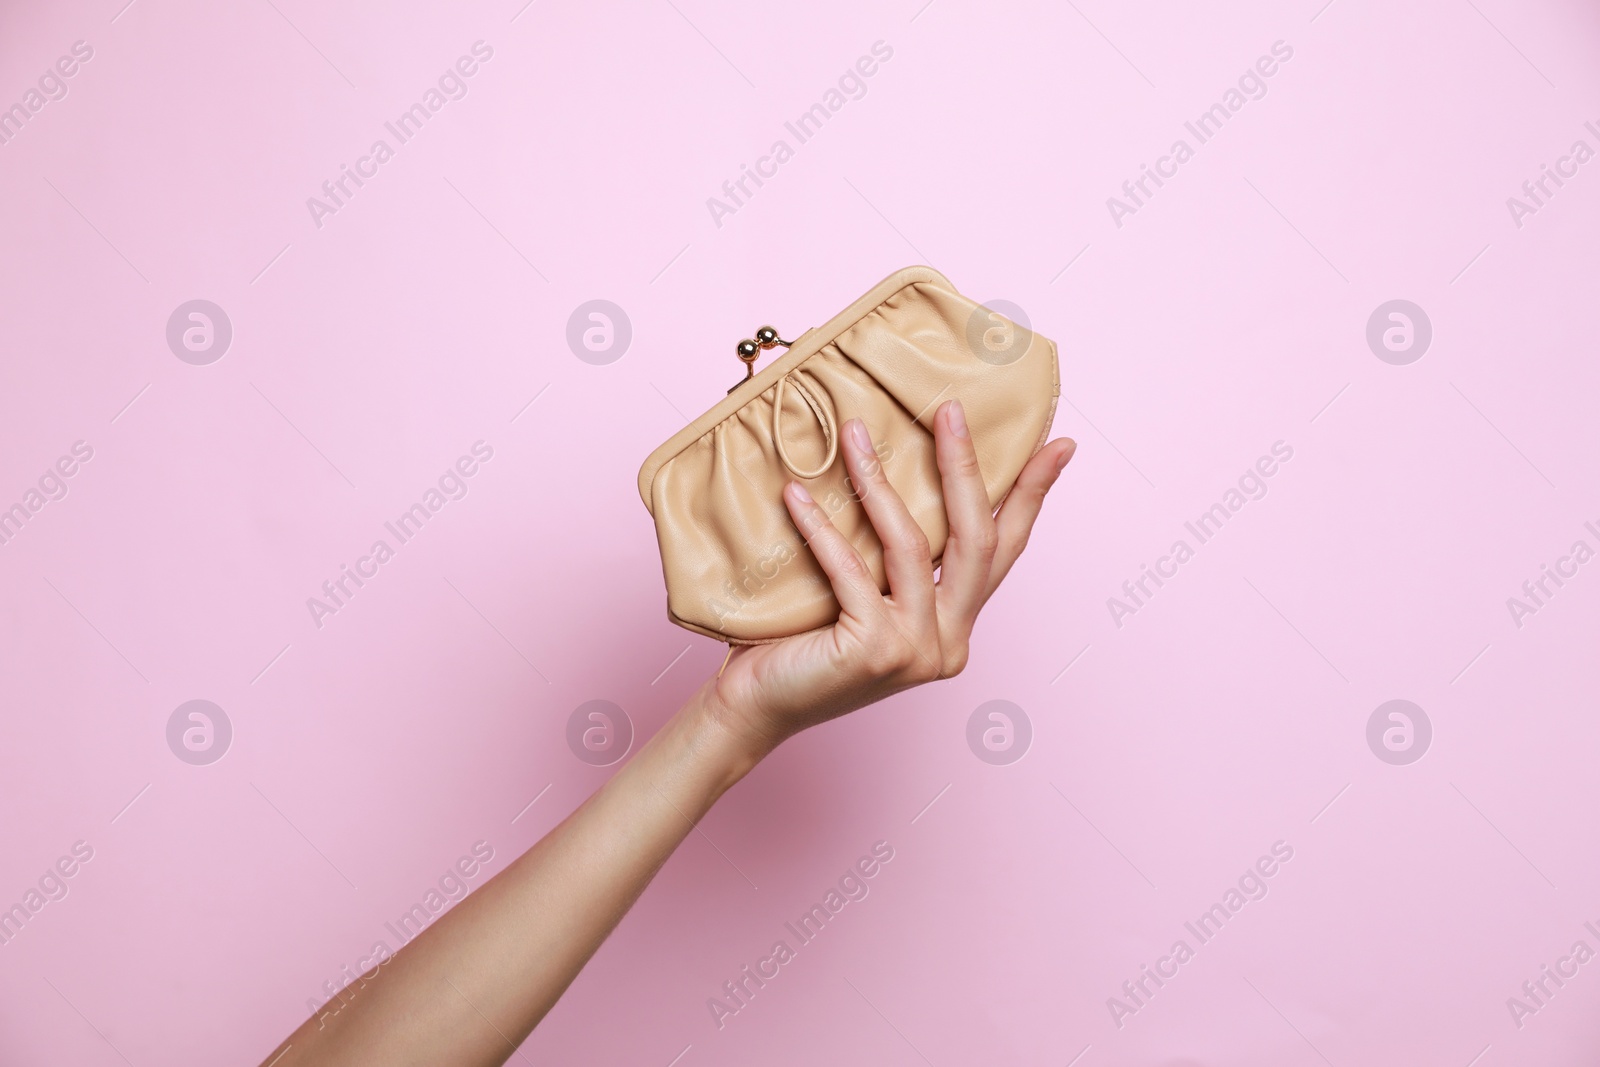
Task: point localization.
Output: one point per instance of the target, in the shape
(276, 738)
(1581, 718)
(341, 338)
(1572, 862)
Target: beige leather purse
(736, 568)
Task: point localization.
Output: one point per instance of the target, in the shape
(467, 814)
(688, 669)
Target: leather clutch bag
(736, 568)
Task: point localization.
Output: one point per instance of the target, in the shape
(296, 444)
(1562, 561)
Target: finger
(907, 559)
(847, 572)
(970, 549)
(1015, 521)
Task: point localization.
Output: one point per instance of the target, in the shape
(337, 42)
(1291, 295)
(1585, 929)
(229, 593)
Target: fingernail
(800, 493)
(858, 434)
(958, 419)
(1066, 456)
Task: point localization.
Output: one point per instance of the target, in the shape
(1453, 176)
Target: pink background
(1229, 713)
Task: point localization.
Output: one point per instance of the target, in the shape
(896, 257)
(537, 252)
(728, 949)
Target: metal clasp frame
(750, 349)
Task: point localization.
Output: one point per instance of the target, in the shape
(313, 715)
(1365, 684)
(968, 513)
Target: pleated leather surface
(735, 566)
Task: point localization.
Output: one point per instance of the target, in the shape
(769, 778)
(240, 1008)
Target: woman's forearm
(475, 983)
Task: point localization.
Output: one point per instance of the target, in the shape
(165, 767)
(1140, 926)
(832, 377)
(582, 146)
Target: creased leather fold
(735, 566)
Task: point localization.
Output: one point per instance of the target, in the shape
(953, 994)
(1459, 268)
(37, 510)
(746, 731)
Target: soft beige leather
(736, 568)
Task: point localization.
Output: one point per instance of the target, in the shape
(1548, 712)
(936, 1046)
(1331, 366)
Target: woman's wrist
(725, 735)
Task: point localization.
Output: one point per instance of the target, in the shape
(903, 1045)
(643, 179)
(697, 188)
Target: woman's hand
(918, 632)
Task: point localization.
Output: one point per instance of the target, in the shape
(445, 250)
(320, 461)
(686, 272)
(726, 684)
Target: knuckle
(955, 661)
(887, 655)
(838, 550)
(966, 461)
(986, 540)
(847, 561)
(915, 543)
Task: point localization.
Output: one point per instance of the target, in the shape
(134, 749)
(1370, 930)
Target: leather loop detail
(822, 409)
